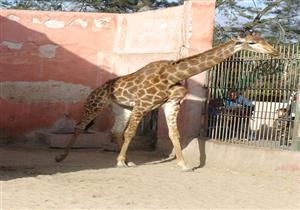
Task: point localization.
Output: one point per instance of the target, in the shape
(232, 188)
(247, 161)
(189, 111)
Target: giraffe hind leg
(92, 107)
(80, 127)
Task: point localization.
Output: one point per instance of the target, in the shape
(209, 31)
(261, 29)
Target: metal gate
(252, 98)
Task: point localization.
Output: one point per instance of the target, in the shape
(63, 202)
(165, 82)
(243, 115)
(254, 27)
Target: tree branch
(257, 19)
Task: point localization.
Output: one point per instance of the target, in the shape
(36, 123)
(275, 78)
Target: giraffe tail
(164, 160)
(61, 157)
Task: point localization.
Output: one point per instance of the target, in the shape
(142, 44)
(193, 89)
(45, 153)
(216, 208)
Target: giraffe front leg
(171, 109)
(129, 133)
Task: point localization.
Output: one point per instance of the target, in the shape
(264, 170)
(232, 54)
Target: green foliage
(277, 19)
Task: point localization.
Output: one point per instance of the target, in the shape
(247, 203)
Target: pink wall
(50, 61)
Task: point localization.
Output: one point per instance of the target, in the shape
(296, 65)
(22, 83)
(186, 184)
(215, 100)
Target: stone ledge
(239, 157)
(85, 140)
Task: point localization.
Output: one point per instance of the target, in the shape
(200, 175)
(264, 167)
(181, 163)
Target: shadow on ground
(19, 161)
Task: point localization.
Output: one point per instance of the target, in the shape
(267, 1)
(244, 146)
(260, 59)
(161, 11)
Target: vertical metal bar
(220, 117)
(214, 86)
(287, 97)
(209, 97)
(237, 76)
(264, 109)
(269, 102)
(244, 88)
(273, 101)
(262, 116)
(277, 90)
(254, 92)
(250, 86)
(258, 97)
(296, 130)
(294, 67)
(240, 78)
(247, 112)
(281, 96)
(225, 88)
(232, 86)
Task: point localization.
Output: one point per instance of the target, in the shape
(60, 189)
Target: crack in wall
(12, 45)
(48, 91)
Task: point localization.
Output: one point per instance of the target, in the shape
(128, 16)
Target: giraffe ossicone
(156, 84)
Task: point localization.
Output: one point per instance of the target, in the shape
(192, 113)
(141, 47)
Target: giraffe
(156, 85)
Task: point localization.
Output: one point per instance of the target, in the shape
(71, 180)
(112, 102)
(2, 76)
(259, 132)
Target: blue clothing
(238, 102)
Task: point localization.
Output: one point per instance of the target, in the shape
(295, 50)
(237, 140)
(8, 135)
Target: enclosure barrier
(252, 98)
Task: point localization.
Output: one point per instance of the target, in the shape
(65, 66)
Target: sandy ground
(88, 179)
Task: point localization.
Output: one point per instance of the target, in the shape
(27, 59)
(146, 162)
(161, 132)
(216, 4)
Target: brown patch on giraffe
(147, 97)
(227, 51)
(202, 66)
(194, 70)
(146, 84)
(139, 79)
(151, 90)
(129, 84)
(182, 74)
(141, 92)
(146, 104)
(155, 80)
(203, 59)
(163, 76)
(210, 63)
(161, 86)
(158, 101)
(194, 62)
(133, 89)
(183, 66)
(161, 70)
(173, 78)
(127, 94)
(118, 92)
(162, 94)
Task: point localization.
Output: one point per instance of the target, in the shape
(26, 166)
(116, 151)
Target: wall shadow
(22, 114)
(21, 162)
(20, 62)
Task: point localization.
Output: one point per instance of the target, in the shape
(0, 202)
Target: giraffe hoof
(186, 169)
(123, 164)
(131, 164)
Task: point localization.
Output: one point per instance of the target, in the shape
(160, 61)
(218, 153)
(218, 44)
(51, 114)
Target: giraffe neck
(196, 64)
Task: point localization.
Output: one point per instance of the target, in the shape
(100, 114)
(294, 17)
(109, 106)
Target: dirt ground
(30, 179)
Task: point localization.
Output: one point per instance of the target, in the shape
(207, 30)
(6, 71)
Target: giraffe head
(254, 42)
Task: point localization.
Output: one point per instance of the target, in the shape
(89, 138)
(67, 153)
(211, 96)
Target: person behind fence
(242, 107)
(234, 100)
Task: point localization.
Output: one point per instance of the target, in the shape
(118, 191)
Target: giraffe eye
(251, 42)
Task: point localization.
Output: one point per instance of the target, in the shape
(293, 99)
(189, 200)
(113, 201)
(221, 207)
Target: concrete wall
(50, 61)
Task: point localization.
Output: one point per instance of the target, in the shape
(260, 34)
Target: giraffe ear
(257, 34)
(242, 34)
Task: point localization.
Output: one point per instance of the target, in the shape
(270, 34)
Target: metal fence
(252, 98)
